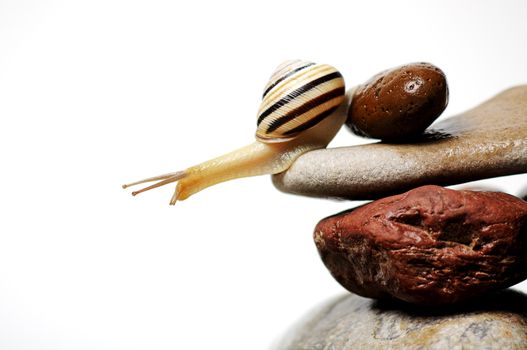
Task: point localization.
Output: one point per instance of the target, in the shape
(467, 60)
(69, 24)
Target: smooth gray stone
(487, 141)
(498, 322)
(523, 194)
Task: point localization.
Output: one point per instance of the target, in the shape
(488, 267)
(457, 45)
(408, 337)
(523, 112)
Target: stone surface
(523, 194)
(398, 103)
(428, 246)
(351, 322)
(487, 141)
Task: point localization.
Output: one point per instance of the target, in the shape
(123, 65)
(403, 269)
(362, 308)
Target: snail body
(303, 107)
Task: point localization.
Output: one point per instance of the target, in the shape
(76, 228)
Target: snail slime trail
(304, 105)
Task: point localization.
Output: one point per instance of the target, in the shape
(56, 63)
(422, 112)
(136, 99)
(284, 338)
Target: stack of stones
(426, 265)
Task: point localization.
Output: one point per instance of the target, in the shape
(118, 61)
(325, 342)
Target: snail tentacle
(166, 179)
(151, 179)
(175, 197)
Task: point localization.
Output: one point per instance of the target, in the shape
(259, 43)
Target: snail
(303, 107)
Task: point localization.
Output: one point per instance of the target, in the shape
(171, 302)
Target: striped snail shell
(299, 95)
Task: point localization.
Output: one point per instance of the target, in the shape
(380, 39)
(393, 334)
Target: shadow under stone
(508, 300)
(428, 136)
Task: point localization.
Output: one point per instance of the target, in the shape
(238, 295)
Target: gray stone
(498, 321)
(523, 194)
(487, 141)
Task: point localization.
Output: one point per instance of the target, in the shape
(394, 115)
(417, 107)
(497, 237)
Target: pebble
(487, 141)
(429, 246)
(351, 322)
(399, 103)
(523, 194)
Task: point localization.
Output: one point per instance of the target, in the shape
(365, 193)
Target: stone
(399, 103)
(523, 194)
(429, 246)
(487, 141)
(351, 322)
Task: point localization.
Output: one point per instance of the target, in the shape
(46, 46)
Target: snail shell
(298, 96)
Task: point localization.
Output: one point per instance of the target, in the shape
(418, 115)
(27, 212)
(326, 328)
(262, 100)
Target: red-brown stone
(430, 245)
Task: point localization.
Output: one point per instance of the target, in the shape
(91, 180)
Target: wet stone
(399, 103)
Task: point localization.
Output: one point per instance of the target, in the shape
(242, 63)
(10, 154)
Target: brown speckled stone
(429, 246)
(399, 102)
(487, 141)
(350, 322)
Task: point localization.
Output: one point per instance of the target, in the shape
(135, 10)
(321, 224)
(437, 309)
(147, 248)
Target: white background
(97, 93)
